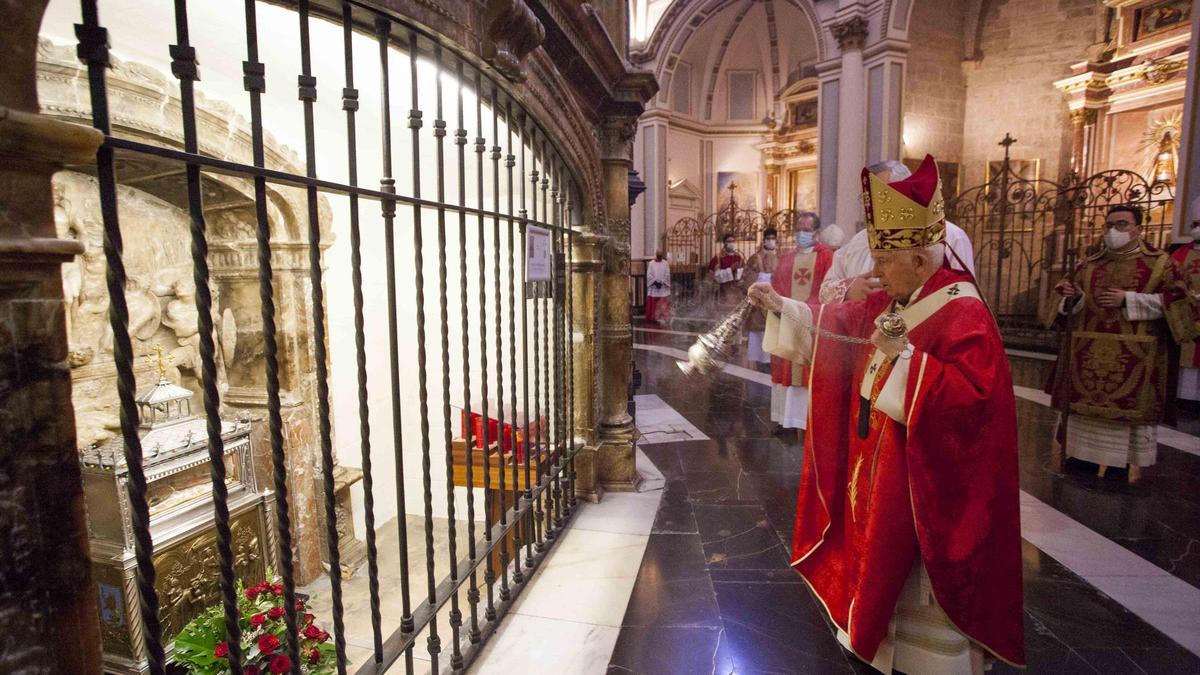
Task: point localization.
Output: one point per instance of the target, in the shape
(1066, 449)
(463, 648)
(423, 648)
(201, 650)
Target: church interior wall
(935, 92)
(1024, 47)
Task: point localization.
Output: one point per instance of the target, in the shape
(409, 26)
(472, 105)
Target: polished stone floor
(714, 593)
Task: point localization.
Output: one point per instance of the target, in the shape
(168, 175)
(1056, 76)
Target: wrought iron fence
(1026, 232)
(691, 243)
(535, 495)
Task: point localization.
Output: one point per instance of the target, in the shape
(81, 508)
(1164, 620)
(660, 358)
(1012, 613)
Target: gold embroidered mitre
(906, 214)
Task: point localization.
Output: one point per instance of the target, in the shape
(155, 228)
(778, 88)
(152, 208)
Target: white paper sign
(538, 258)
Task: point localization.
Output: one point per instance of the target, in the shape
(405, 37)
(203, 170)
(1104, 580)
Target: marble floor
(1110, 569)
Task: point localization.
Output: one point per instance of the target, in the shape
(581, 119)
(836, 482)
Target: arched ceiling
(774, 37)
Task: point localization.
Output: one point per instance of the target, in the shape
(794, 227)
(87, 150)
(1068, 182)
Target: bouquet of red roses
(202, 649)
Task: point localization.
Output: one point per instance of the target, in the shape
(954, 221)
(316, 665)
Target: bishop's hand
(891, 347)
(763, 295)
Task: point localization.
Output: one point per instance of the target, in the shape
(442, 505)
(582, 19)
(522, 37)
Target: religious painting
(1161, 17)
(804, 114)
(802, 189)
(1022, 169)
(739, 186)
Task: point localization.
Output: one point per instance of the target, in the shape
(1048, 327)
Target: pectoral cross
(159, 361)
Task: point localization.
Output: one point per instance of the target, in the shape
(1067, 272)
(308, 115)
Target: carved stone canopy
(513, 31)
(851, 33)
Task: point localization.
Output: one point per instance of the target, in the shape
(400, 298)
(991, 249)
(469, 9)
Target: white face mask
(1196, 232)
(1115, 239)
(729, 247)
(769, 244)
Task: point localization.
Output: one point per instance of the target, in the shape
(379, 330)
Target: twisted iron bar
(183, 65)
(307, 90)
(489, 574)
(460, 139)
(414, 123)
(439, 133)
(505, 593)
(350, 106)
(509, 162)
(93, 50)
(255, 85)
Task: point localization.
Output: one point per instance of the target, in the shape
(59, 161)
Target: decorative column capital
(616, 138)
(851, 33)
(1084, 116)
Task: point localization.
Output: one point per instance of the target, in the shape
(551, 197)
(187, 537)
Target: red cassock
(799, 281)
(943, 486)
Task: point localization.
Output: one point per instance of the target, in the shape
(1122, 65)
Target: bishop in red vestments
(908, 524)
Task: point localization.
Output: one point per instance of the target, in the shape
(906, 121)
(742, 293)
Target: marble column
(615, 461)
(653, 169)
(1083, 124)
(587, 270)
(1188, 184)
(851, 34)
(49, 617)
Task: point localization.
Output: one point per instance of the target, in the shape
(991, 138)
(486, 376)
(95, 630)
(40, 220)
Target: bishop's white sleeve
(789, 332)
(1142, 306)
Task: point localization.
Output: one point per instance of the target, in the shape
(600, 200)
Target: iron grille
(522, 152)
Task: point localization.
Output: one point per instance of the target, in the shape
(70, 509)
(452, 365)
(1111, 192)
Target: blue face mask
(804, 239)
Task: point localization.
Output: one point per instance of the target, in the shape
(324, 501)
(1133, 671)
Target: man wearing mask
(851, 277)
(1128, 306)
(726, 268)
(797, 276)
(1188, 258)
(658, 289)
(759, 268)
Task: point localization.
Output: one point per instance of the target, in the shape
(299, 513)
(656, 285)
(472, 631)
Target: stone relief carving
(513, 31)
(160, 294)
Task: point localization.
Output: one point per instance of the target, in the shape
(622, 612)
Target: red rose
(275, 612)
(252, 670)
(314, 655)
(251, 593)
(258, 619)
(221, 650)
(280, 663)
(312, 632)
(309, 618)
(268, 643)
(299, 605)
(277, 589)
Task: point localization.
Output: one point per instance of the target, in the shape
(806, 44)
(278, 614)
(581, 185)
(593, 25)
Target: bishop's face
(899, 272)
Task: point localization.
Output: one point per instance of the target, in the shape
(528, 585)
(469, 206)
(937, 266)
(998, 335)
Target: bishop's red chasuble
(1189, 261)
(929, 470)
(798, 276)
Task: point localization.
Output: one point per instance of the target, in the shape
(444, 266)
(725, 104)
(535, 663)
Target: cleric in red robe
(908, 523)
(798, 275)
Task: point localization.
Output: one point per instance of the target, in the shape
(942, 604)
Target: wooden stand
(497, 464)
